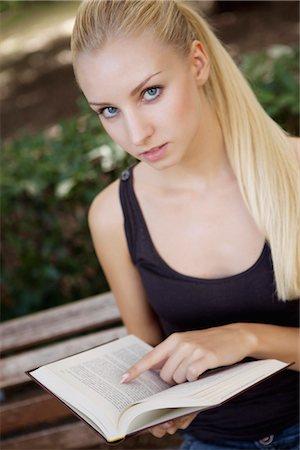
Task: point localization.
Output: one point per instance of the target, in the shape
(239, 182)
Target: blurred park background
(56, 157)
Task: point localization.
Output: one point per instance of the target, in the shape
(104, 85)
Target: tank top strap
(133, 222)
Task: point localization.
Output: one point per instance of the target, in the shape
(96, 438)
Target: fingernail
(167, 425)
(125, 378)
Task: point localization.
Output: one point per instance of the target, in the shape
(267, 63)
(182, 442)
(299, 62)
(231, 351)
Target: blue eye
(153, 92)
(109, 110)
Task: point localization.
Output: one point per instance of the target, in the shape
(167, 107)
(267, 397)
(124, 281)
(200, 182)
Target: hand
(185, 356)
(172, 426)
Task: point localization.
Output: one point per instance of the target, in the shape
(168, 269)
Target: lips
(154, 153)
(152, 150)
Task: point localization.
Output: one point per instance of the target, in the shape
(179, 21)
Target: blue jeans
(287, 439)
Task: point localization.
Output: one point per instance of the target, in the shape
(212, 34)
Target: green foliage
(274, 77)
(48, 184)
(51, 178)
(8, 5)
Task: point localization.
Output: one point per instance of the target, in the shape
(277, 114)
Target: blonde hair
(258, 149)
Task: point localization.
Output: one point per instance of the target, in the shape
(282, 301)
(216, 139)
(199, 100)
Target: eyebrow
(132, 93)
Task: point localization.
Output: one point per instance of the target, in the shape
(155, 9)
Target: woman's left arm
(185, 356)
(276, 342)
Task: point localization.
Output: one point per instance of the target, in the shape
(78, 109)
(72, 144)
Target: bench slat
(74, 435)
(80, 435)
(13, 368)
(32, 418)
(22, 414)
(83, 315)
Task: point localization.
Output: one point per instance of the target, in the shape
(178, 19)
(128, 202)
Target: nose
(139, 128)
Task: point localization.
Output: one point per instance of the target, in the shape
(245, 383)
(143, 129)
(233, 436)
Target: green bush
(274, 77)
(51, 178)
(8, 5)
(48, 184)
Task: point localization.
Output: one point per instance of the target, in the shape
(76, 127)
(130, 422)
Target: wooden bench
(30, 417)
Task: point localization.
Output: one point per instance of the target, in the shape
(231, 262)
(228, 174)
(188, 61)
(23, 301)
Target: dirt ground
(38, 86)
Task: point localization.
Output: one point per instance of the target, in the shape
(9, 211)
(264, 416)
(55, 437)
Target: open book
(89, 384)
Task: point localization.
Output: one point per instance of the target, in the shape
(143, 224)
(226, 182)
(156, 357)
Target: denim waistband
(288, 439)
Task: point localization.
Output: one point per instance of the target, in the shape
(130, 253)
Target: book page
(102, 375)
(73, 398)
(96, 375)
(157, 416)
(211, 389)
(224, 382)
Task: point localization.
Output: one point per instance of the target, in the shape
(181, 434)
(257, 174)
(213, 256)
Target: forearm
(272, 341)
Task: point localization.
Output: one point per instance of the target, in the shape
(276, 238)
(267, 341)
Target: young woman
(200, 239)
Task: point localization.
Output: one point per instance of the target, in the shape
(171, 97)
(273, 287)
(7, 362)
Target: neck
(206, 163)
(207, 157)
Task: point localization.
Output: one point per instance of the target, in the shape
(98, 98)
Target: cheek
(118, 134)
(113, 130)
(186, 108)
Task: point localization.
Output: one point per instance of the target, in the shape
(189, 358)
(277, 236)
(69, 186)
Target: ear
(199, 62)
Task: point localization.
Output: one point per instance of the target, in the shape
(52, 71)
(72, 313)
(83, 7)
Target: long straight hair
(259, 150)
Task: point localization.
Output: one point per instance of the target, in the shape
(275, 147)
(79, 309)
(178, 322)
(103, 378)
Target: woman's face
(147, 96)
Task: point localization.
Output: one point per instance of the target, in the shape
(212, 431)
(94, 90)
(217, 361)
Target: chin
(163, 164)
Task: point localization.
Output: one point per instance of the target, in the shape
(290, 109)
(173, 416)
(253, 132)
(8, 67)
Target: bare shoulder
(105, 213)
(106, 224)
(295, 144)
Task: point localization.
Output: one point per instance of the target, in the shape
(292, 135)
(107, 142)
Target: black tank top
(184, 303)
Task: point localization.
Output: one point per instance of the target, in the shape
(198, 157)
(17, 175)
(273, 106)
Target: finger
(151, 359)
(185, 370)
(172, 426)
(159, 365)
(171, 365)
(172, 430)
(197, 367)
(183, 422)
(180, 374)
(185, 425)
(161, 429)
(158, 431)
(174, 370)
